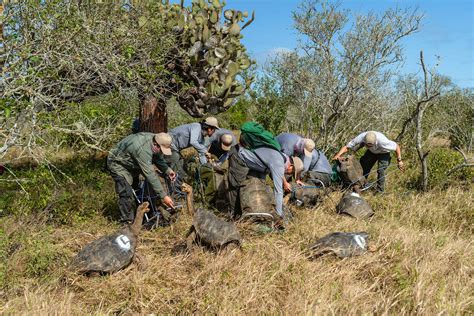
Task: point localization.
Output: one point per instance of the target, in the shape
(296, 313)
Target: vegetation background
(56, 195)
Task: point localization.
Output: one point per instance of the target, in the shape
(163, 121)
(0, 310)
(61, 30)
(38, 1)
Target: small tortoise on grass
(111, 253)
(209, 230)
(342, 245)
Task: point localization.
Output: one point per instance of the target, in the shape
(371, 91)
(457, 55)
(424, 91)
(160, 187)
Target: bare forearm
(341, 152)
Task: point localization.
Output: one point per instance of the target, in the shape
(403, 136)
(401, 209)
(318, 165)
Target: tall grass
(422, 261)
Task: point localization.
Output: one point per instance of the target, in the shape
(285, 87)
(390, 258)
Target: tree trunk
(419, 148)
(153, 116)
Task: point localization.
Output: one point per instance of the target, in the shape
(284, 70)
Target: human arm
(399, 158)
(341, 152)
(194, 137)
(277, 170)
(153, 179)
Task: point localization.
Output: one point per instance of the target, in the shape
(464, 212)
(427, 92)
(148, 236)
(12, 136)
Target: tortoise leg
(190, 240)
(141, 262)
(230, 248)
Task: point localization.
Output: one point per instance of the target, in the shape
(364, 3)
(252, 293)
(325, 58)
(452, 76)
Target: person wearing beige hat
(378, 150)
(295, 145)
(220, 143)
(135, 154)
(191, 135)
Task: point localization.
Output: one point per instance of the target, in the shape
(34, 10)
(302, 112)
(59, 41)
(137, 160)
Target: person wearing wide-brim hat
(191, 135)
(378, 150)
(298, 146)
(220, 143)
(135, 154)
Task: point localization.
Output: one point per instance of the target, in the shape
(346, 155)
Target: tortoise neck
(190, 202)
(137, 223)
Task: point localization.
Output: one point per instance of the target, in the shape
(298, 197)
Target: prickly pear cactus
(210, 55)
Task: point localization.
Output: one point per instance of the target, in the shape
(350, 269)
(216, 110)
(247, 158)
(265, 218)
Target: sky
(446, 35)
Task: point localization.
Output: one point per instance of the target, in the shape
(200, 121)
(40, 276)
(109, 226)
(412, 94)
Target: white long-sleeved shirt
(382, 143)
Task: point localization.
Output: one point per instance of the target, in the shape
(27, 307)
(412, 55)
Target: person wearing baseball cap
(378, 150)
(192, 135)
(135, 154)
(220, 143)
(297, 146)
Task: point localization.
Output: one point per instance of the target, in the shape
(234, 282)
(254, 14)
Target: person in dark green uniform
(135, 154)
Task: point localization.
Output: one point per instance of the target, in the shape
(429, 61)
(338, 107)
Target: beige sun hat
(370, 138)
(164, 141)
(211, 121)
(309, 146)
(226, 142)
(297, 166)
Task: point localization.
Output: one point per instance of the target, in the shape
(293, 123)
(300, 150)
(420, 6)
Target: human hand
(168, 201)
(172, 175)
(287, 186)
(401, 165)
(299, 182)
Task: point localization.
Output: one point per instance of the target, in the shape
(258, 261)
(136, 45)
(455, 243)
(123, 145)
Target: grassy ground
(422, 262)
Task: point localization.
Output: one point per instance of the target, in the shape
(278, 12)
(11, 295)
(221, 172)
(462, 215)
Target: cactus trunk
(153, 117)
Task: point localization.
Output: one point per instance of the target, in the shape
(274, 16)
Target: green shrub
(440, 162)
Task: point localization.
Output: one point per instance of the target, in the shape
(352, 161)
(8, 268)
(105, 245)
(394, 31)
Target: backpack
(254, 136)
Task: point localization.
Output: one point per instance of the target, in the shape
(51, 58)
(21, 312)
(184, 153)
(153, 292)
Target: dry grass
(422, 264)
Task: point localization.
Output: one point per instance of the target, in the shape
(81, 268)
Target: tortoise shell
(212, 231)
(354, 205)
(341, 244)
(107, 254)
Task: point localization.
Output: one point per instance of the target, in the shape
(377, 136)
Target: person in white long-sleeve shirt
(378, 150)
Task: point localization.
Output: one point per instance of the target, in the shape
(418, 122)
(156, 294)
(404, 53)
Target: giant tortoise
(354, 205)
(113, 252)
(209, 230)
(342, 245)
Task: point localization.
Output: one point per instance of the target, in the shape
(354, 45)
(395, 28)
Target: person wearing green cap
(378, 150)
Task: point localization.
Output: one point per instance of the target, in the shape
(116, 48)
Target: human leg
(383, 163)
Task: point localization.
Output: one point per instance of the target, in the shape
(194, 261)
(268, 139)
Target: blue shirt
(268, 161)
(293, 145)
(188, 135)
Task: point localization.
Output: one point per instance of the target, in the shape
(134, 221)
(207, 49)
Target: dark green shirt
(134, 153)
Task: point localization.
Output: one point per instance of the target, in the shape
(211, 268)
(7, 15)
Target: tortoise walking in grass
(340, 244)
(111, 253)
(209, 230)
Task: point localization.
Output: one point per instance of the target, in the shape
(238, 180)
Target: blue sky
(447, 31)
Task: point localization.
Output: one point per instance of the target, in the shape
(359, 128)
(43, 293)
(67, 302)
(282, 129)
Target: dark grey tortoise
(354, 205)
(342, 245)
(111, 253)
(306, 194)
(209, 230)
(213, 232)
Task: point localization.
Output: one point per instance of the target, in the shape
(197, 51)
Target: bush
(440, 161)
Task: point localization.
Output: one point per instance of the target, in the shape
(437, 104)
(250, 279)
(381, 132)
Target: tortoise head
(186, 188)
(137, 223)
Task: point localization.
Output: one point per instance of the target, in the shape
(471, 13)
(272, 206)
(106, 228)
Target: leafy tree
(343, 64)
(61, 52)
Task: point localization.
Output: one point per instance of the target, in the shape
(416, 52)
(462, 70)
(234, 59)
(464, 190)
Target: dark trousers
(176, 162)
(126, 198)
(236, 176)
(369, 159)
